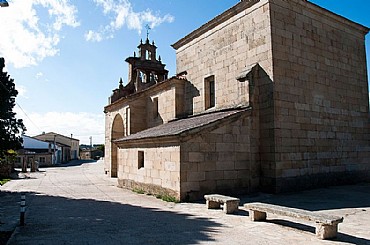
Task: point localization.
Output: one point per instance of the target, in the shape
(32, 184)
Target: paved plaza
(78, 204)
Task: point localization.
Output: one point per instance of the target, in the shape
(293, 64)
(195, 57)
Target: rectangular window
(140, 159)
(155, 107)
(42, 160)
(209, 92)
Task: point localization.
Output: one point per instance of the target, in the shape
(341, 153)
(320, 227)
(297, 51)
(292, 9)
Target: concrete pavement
(78, 204)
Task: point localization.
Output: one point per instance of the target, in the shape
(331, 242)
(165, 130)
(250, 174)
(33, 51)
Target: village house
(271, 95)
(70, 146)
(35, 150)
(91, 153)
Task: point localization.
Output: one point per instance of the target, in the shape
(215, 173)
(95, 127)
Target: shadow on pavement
(330, 198)
(9, 214)
(75, 163)
(335, 197)
(59, 220)
(311, 229)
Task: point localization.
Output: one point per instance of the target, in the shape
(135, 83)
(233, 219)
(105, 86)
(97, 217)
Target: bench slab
(230, 204)
(326, 225)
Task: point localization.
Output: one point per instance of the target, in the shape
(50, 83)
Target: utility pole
(55, 155)
(72, 152)
(91, 147)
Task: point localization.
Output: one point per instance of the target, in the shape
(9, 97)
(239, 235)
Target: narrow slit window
(155, 107)
(212, 97)
(128, 119)
(140, 159)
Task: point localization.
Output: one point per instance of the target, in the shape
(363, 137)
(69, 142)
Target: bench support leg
(257, 215)
(212, 204)
(326, 231)
(231, 207)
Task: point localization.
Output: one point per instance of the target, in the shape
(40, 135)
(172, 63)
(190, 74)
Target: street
(78, 204)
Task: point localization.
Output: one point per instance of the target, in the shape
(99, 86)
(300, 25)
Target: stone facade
(224, 52)
(185, 161)
(161, 169)
(270, 95)
(139, 112)
(320, 97)
(219, 160)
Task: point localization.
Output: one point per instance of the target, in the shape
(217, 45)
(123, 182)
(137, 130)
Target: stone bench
(230, 204)
(326, 225)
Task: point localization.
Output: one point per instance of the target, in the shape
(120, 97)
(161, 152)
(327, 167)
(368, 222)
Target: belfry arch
(117, 133)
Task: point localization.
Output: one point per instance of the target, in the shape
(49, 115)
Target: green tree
(10, 127)
(100, 147)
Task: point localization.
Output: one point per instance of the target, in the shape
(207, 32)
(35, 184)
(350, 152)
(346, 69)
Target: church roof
(181, 127)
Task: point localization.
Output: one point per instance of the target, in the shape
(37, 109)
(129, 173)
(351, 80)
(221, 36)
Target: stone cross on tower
(147, 27)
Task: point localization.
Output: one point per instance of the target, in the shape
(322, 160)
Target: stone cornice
(338, 17)
(215, 22)
(246, 4)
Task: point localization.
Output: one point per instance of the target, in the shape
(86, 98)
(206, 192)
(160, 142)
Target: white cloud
(93, 36)
(22, 90)
(39, 75)
(123, 14)
(82, 125)
(25, 40)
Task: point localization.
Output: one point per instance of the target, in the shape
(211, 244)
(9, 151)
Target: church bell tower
(145, 70)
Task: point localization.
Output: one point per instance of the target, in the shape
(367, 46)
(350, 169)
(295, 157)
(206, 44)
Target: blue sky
(66, 57)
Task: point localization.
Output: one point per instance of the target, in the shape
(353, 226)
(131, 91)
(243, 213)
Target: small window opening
(210, 95)
(140, 161)
(155, 107)
(128, 119)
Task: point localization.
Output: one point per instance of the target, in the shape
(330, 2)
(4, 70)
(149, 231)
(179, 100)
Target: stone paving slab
(78, 204)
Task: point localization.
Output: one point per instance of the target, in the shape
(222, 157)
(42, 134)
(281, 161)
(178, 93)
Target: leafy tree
(10, 127)
(100, 147)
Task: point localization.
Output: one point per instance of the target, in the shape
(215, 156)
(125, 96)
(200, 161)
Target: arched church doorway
(117, 133)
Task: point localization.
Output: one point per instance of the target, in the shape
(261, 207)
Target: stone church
(271, 95)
